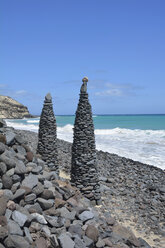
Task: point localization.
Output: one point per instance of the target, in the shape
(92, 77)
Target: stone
(79, 243)
(35, 227)
(75, 229)
(47, 184)
(46, 230)
(92, 233)
(7, 182)
(2, 147)
(2, 123)
(47, 137)
(143, 243)
(8, 194)
(3, 205)
(126, 234)
(29, 156)
(45, 204)
(100, 243)
(19, 217)
(11, 205)
(19, 193)
(37, 170)
(3, 232)
(16, 241)
(3, 168)
(86, 215)
(2, 138)
(30, 197)
(21, 150)
(16, 178)
(10, 136)
(10, 172)
(41, 243)
(3, 221)
(67, 214)
(88, 241)
(14, 228)
(59, 203)
(10, 163)
(107, 242)
(28, 235)
(47, 194)
(53, 220)
(65, 241)
(38, 189)
(35, 208)
(20, 168)
(30, 181)
(8, 214)
(39, 218)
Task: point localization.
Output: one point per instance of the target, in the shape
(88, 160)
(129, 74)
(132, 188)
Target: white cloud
(109, 92)
(116, 90)
(21, 92)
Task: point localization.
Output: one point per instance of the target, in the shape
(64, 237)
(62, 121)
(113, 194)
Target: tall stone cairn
(83, 169)
(47, 137)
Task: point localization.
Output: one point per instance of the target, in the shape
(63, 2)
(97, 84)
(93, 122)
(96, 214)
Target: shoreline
(132, 192)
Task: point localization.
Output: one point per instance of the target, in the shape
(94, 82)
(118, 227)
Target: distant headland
(11, 109)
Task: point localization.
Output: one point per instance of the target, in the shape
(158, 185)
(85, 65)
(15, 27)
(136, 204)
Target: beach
(132, 192)
(138, 137)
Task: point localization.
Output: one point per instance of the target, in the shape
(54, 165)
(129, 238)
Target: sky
(50, 45)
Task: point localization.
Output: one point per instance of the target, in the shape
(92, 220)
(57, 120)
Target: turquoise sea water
(143, 122)
(139, 137)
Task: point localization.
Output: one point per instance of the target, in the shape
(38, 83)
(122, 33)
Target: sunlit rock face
(11, 109)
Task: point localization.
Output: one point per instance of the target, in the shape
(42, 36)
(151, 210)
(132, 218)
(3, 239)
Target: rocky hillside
(10, 108)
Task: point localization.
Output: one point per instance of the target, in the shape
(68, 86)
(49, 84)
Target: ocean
(139, 137)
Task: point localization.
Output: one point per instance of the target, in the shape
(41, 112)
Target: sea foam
(146, 146)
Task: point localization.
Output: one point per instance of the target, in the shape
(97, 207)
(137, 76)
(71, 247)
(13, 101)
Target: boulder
(16, 241)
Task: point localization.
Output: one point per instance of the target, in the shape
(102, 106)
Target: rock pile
(47, 137)
(83, 170)
(38, 210)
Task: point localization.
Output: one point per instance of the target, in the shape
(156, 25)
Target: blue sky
(50, 45)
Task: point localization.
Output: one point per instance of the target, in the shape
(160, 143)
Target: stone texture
(3, 232)
(66, 241)
(3, 168)
(83, 169)
(92, 233)
(45, 204)
(30, 181)
(14, 228)
(19, 217)
(16, 241)
(2, 147)
(3, 205)
(86, 215)
(47, 137)
(20, 168)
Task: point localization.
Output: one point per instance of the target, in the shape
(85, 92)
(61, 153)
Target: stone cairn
(47, 137)
(83, 169)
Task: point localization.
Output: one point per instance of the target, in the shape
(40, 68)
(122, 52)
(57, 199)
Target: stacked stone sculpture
(47, 137)
(83, 169)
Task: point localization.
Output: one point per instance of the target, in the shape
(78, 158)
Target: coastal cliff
(11, 109)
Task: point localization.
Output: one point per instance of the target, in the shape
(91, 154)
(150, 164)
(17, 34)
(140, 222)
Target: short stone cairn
(83, 168)
(47, 137)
